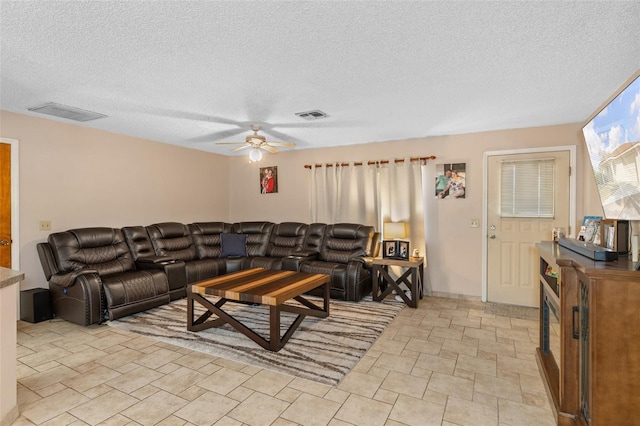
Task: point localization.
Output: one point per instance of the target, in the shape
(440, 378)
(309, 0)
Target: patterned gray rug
(322, 349)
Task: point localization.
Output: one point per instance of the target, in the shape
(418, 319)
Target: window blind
(527, 188)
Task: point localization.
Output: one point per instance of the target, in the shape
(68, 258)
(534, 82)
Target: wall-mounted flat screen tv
(612, 139)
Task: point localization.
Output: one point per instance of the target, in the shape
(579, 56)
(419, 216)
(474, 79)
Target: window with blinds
(527, 188)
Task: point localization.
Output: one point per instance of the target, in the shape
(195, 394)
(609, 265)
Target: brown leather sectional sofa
(96, 274)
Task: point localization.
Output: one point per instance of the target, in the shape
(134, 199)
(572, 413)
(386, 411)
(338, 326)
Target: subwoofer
(35, 305)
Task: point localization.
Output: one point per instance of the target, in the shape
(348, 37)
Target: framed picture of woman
(269, 180)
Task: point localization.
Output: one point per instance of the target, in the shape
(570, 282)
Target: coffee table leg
(327, 296)
(274, 334)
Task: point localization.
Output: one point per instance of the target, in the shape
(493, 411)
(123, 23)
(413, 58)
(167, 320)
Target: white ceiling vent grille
(312, 115)
(68, 112)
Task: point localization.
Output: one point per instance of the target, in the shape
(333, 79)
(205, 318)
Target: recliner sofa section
(91, 274)
(173, 239)
(341, 256)
(98, 272)
(145, 258)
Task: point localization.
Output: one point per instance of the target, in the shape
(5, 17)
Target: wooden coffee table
(263, 286)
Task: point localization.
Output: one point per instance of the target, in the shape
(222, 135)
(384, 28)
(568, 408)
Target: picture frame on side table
(396, 249)
(403, 253)
(389, 249)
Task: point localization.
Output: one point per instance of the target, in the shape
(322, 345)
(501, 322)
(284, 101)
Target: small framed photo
(395, 249)
(389, 249)
(404, 250)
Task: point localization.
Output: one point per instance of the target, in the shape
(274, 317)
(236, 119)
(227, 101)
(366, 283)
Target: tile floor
(449, 362)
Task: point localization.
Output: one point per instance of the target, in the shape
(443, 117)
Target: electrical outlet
(475, 223)
(45, 225)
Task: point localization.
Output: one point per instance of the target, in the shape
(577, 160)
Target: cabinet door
(585, 352)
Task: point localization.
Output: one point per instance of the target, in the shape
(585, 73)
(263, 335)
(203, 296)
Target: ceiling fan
(257, 142)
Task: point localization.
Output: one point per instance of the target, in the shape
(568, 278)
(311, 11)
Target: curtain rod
(371, 163)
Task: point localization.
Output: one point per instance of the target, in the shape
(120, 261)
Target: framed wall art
(269, 180)
(451, 180)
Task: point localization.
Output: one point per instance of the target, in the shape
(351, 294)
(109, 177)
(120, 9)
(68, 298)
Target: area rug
(322, 349)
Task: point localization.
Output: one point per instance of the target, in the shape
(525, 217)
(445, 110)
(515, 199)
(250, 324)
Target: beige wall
(79, 177)
(454, 248)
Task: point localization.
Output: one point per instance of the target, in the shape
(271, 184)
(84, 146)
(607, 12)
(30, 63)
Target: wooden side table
(413, 277)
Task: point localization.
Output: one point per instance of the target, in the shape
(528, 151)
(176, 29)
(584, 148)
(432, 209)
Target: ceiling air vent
(312, 115)
(68, 112)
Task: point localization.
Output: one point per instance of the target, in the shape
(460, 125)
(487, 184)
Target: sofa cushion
(344, 241)
(134, 291)
(204, 269)
(258, 236)
(172, 239)
(102, 249)
(287, 238)
(206, 237)
(233, 245)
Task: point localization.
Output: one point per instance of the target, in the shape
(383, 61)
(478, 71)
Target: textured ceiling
(199, 72)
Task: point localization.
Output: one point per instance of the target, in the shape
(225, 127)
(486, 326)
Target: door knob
(4, 243)
(492, 236)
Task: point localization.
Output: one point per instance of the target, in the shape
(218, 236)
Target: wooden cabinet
(593, 373)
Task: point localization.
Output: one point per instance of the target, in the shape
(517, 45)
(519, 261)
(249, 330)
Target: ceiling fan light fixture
(255, 155)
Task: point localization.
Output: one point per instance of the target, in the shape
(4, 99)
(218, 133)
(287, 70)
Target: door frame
(15, 202)
(485, 195)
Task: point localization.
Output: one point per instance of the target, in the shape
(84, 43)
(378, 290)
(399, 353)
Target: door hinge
(569, 170)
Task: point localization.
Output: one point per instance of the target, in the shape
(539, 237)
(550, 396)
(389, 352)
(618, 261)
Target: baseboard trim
(11, 416)
(456, 296)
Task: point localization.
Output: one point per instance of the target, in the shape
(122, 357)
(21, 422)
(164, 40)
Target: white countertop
(9, 276)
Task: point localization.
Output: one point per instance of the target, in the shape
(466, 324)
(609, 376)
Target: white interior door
(512, 262)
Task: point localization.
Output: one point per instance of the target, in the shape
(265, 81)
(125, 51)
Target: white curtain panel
(344, 194)
(370, 194)
(402, 198)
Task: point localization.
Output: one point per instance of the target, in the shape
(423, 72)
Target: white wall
(79, 177)
(454, 248)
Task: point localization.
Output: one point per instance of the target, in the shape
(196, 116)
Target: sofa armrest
(292, 262)
(152, 260)
(368, 262)
(69, 278)
(359, 279)
(304, 254)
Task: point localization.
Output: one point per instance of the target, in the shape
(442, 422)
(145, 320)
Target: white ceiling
(199, 72)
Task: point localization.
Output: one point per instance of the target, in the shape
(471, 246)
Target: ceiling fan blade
(282, 144)
(230, 143)
(216, 136)
(240, 148)
(269, 148)
(282, 136)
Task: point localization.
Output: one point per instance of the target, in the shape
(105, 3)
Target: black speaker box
(622, 237)
(35, 305)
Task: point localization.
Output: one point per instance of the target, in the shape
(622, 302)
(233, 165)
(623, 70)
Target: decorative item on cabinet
(614, 235)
